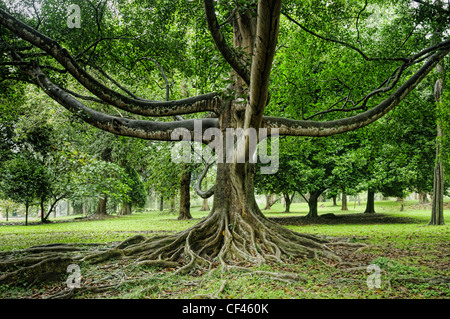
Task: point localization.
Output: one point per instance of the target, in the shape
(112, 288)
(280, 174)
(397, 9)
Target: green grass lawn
(403, 246)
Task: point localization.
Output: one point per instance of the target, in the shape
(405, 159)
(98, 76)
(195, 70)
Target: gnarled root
(223, 238)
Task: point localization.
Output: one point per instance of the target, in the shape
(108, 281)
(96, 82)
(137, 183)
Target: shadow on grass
(333, 219)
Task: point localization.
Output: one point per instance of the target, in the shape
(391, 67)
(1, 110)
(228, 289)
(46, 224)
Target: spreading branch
(201, 103)
(144, 129)
(327, 128)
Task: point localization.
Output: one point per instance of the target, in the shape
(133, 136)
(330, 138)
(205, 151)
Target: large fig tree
(246, 35)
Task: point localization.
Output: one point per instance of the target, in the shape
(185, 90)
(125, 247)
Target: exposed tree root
(227, 240)
(48, 268)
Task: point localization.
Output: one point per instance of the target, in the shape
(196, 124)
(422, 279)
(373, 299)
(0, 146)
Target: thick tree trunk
(270, 201)
(344, 200)
(101, 206)
(423, 198)
(370, 206)
(205, 206)
(126, 209)
(235, 231)
(287, 203)
(402, 203)
(185, 194)
(437, 210)
(312, 204)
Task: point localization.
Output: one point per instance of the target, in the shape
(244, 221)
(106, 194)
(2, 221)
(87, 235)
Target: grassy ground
(407, 255)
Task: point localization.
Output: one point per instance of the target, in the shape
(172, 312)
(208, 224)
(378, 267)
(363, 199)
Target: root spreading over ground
(219, 240)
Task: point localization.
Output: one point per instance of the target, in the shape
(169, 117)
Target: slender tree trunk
(334, 200)
(437, 210)
(43, 217)
(185, 194)
(370, 206)
(344, 200)
(161, 203)
(7, 211)
(26, 213)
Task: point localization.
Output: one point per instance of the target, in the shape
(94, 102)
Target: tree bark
(126, 209)
(205, 206)
(270, 201)
(185, 194)
(402, 204)
(161, 203)
(437, 207)
(101, 206)
(27, 206)
(423, 198)
(312, 203)
(43, 216)
(370, 205)
(334, 200)
(437, 211)
(287, 203)
(344, 200)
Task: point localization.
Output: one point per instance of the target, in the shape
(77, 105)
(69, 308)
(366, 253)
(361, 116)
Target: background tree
(24, 180)
(137, 195)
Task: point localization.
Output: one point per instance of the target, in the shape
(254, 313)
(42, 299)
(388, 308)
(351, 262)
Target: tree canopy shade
(246, 35)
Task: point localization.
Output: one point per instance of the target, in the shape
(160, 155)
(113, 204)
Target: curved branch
(198, 188)
(201, 103)
(149, 130)
(228, 53)
(327, 128)
(364, 56)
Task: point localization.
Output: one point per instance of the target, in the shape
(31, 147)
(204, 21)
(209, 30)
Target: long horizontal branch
(144, 129)
(327, 128)
(201, 103)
